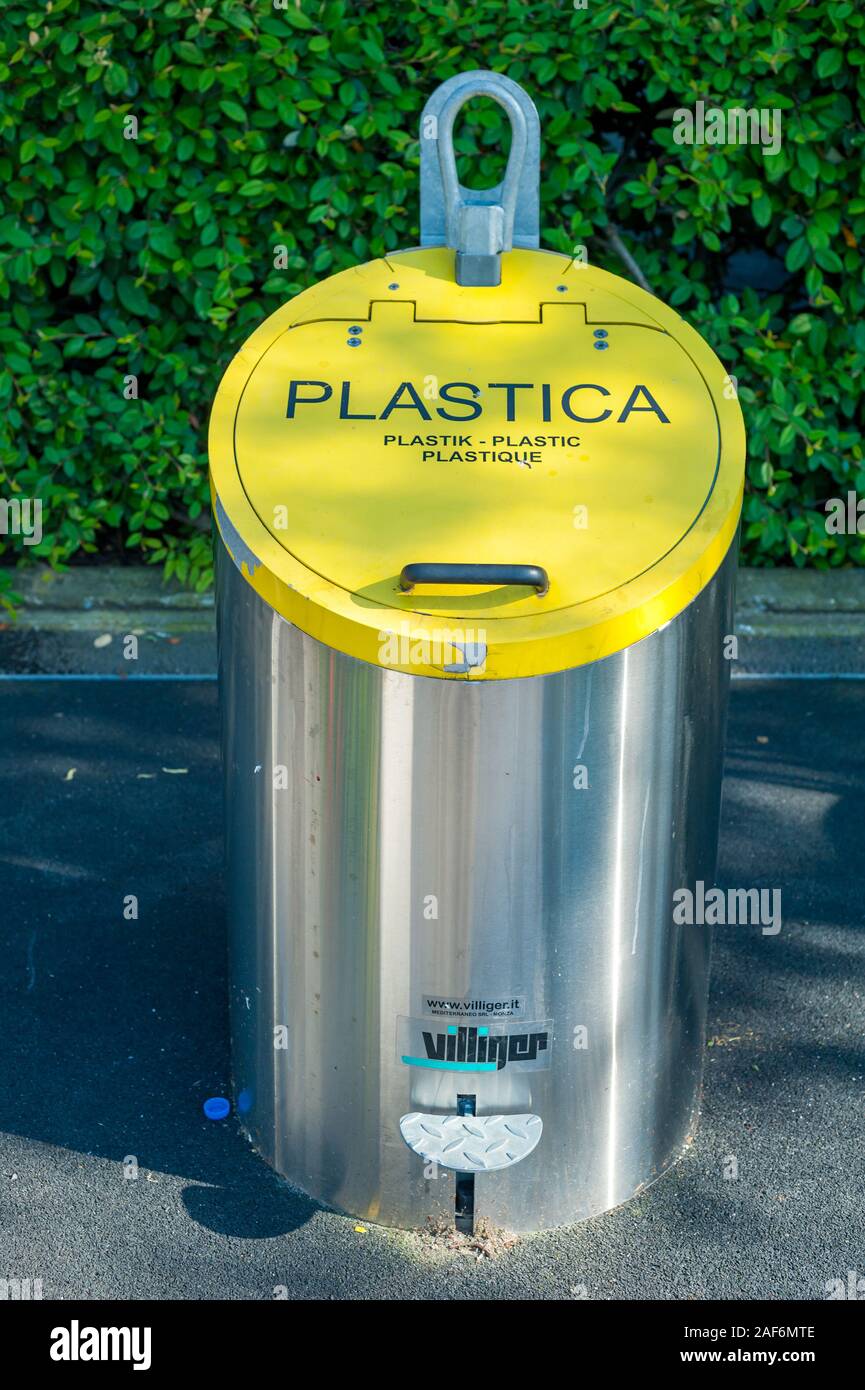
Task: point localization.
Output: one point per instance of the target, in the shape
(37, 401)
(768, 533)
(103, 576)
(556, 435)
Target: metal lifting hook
(479, 223)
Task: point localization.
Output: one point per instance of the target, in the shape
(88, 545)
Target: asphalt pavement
(115, 1032)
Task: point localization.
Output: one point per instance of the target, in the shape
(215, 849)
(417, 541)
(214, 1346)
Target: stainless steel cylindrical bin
(460, 800)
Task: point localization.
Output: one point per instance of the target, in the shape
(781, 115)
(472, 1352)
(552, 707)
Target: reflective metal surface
(391, 837)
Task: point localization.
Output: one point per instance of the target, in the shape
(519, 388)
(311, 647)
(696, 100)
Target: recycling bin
(477, 508)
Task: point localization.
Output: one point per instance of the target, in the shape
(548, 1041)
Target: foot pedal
(472, 1143)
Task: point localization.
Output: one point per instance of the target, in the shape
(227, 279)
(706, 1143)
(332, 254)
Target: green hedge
(260, 125)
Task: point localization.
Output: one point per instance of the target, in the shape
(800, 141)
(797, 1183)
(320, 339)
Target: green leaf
(829, 62)
(131, 296)
(798, 255)
(233, 111)
(762, 209)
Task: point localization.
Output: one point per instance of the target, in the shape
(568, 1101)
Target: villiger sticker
(482, 1047)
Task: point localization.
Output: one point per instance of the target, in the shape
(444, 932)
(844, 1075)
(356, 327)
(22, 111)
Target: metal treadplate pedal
(471, 1143)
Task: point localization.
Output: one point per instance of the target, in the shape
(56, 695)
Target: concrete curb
(789, 622)
(110, 598)
(818, 603)
(766, 599)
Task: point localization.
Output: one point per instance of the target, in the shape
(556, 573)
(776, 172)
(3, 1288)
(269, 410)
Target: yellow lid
(563, 420)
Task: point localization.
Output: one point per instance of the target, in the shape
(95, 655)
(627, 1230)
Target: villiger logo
(463, 1048)
(587, 402)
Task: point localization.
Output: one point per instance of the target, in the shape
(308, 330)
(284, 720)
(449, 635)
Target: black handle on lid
(421, 573)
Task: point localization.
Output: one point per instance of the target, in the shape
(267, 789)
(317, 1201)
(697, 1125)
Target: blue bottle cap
(216, 1108)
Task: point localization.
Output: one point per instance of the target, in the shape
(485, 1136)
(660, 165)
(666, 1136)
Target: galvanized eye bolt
(472, 589)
